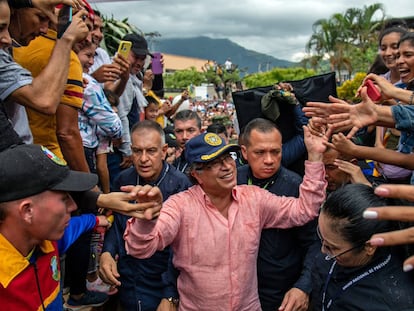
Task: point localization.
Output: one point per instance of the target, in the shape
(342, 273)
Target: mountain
(219, 50)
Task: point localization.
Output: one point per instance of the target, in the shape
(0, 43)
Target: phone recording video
(157, 67)
(64, 20)
(124, 48)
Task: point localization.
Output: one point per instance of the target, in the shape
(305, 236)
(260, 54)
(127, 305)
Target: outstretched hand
(294, 300)
(356, 116)
(398, 213)
(148, 198)
(342, 144)
(342, 116)
(142, 202)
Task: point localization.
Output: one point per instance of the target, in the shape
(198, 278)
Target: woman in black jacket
(351, 274)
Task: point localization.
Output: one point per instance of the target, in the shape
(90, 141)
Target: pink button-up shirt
(217, 256)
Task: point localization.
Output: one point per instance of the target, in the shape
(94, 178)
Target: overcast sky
(274, 27)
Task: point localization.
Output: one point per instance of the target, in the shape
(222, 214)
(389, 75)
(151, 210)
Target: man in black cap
(36, 201)
(131, 104)
(214, 227)
(139, 45)
(35, 210)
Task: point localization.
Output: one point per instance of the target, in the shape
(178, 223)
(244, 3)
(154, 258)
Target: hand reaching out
(399, 213)
(294, 300)
(353, 170)
(342, 116)
(342, 144)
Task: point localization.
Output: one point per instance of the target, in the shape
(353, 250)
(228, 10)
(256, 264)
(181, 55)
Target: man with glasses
(214, 227)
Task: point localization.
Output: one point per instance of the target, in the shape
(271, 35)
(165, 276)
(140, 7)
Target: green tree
(211, 76)
(312, 61)
(329, 40)
(277, 75)
(346, 40)
(114, 30)
(369, 21)
(349, 88)
(181, 79)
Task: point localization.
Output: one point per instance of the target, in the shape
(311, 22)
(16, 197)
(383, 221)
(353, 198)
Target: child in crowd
(96, 114)
(151, 111)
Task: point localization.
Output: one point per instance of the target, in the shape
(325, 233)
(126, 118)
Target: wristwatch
(174, 301)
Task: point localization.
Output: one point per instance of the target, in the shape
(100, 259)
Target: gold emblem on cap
(213, 139)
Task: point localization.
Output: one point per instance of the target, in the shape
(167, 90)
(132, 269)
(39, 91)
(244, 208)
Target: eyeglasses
(331, 256)
(217, 163)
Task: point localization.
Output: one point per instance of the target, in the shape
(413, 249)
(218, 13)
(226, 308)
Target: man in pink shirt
(214, 227)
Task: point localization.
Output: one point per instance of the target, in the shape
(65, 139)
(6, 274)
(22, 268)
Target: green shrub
(349, 88)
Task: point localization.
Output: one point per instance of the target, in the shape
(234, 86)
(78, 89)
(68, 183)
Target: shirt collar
(262, 182)
(12, 262)
(51, 34)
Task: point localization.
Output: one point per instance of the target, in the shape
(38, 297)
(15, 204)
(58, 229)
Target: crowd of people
(115, 197)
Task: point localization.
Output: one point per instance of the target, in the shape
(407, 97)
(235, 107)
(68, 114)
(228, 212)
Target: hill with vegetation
(248, 61)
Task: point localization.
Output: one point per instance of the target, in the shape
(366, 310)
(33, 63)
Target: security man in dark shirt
(285, 255)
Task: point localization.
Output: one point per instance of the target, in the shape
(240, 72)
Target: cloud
(275, 27)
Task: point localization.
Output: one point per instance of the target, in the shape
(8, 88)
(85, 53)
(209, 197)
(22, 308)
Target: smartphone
(372, 91)
(156, 66)
(124, 48)
(64, 19)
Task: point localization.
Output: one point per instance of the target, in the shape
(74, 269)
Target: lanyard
(182, 170)
(269, 183)
(354, 281)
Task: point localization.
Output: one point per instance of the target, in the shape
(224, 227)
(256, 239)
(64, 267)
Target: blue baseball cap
(206, 147)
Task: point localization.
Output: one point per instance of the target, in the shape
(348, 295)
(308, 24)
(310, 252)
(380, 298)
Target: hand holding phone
(124, 48)
(372, 91)
(64, 20)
